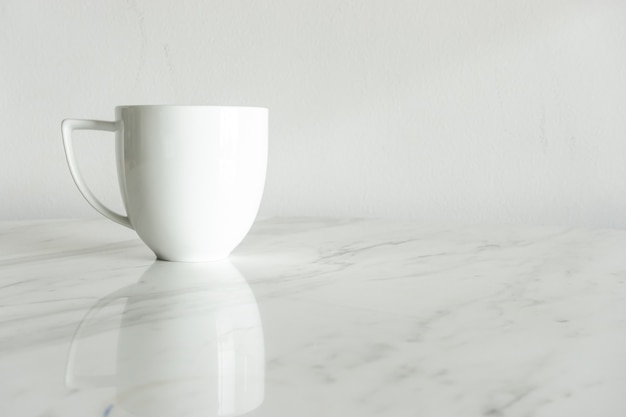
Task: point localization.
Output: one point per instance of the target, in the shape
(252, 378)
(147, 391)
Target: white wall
(477, 111)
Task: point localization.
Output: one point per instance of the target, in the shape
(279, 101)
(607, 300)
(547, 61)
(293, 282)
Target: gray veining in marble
(315, 317)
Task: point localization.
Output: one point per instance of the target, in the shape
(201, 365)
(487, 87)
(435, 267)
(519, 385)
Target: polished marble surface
(315, 317)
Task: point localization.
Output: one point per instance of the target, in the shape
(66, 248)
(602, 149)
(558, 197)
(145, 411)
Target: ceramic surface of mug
(191, 177)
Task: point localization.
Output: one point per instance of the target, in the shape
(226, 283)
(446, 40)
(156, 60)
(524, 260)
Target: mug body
(192, 177)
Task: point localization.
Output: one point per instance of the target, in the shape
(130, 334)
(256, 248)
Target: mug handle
(92, 381)
(67, 127)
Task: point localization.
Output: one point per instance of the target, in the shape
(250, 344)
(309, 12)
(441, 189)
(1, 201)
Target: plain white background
(439, 110)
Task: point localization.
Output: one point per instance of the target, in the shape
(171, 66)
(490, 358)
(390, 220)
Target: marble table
(315, 317)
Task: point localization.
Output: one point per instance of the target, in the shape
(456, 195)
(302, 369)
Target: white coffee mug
(191, 177)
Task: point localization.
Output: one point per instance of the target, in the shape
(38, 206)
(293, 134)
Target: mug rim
(180, 106)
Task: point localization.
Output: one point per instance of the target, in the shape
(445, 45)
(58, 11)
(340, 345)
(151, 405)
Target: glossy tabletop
(315, 317)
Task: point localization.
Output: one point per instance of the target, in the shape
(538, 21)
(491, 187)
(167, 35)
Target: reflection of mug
(190, 343)
(191, 176)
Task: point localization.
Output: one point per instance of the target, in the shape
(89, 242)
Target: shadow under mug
(191, 177)
(190, 343)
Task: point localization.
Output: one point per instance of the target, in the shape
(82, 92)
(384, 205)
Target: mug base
(192, 259)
